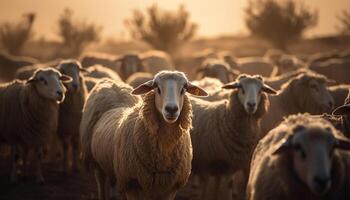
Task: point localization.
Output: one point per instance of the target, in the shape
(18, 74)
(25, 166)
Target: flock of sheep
(257, 128)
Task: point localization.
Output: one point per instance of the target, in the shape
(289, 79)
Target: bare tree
(14, 35)
(76, 34)
(163, 30)
(279, 21)
(344, 19)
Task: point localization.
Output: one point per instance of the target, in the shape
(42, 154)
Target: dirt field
(57, 186)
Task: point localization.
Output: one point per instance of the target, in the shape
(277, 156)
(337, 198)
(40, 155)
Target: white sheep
(225, 132)
(143, 145)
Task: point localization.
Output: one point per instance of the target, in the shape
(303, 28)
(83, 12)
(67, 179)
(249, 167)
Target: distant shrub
(344, 19)
(279, 21)
(76, 34)
(163, 30)
(14, 35)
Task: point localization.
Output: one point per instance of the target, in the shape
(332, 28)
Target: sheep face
(250, 89)
(312, 150)
(73, 69)
(48, 83)
(169, 88)
(130, 63)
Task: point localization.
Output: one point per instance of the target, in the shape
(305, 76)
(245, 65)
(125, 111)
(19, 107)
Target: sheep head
(129, 64)
(49, 84)
(250, 89)
(73, 69)
(169, 88)
(312, 149)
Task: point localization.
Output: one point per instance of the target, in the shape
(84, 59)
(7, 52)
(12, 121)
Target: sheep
(9, 64)
(288, 63)
(144, 145)
(225, 132)
(33, 106)
(125, 65)
(343, 122)
(209, 84)
(99, 71)
(277, 81)
(305, 93)
(256, 65)
(155, 61)
(138, 78)
(216, 68)
(70, 111)
(302, 158)
(335, 69)
(339, 93)
(90, 83)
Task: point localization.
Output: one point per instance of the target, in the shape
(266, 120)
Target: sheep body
(256, 65)
(99, 71)
(155, 61)
(138, 78)
(158, 166)
(335, 69)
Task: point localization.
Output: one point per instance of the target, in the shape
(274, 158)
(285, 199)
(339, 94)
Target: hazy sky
(215, 17)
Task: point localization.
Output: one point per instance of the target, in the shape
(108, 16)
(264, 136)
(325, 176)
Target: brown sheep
(10, 64)
(339, 94)
(70, 111)
(306, 93)
(216, 68)
(302, 158)
(139, 78)
(33, 106)
(335, 69)
(225, 132)
(144, 145)
(155, 61)
(99, 71)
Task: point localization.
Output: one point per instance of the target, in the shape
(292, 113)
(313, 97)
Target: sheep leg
(14, 162)
(101, 180)
(75, 154)
(38, 158)
(65, 155)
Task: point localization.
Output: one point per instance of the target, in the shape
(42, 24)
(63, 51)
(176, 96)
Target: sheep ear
(285, 146)
(83, 70)
(342, 144)
(65, 78)
(233, 85)
(195, 90)
(268, 89)
(342, 110)
(31, 80)
(144, 88)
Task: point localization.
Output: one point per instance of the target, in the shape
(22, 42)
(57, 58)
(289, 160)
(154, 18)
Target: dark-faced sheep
(302, 158)
(224, 133)
(143, 145)
(306, 93)
(29, 114)
(70, 111)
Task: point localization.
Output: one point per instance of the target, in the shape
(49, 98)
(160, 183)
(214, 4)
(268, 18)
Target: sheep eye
(41, 79)
(158, 90)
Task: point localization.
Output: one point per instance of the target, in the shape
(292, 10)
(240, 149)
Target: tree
(163, 30)
(76, 34)
(14, 35)
(279, 21)
(344, 19)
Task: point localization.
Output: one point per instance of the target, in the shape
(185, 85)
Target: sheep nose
(171, 109)
(251, 104)
(59, 94)
(75, 86)
(322, 182)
